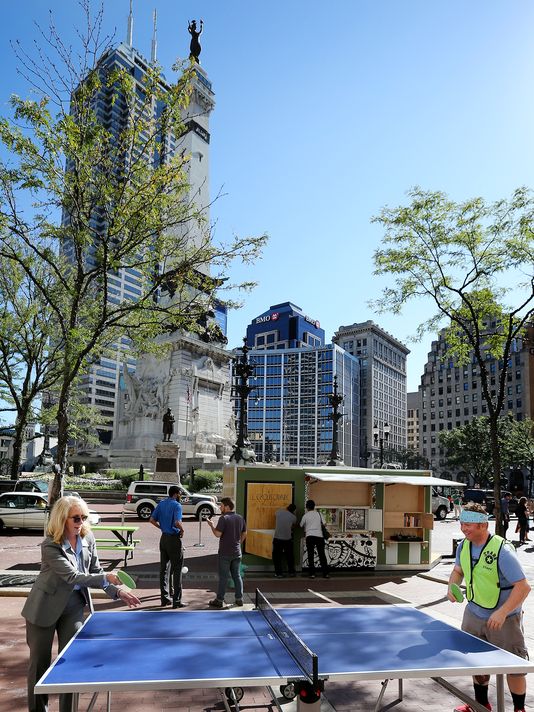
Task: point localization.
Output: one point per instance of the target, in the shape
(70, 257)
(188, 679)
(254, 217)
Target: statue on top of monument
(194, 47)
(168, 425)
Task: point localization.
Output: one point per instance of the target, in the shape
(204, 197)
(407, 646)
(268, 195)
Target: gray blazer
(57, 578)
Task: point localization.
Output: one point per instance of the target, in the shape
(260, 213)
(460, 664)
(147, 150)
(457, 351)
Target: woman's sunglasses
(77, 519)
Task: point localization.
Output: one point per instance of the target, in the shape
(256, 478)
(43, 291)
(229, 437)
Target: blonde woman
(56, 603)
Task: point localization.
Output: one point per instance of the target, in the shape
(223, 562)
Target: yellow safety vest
(482, 578)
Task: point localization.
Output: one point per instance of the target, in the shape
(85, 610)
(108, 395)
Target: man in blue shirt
(168, 517)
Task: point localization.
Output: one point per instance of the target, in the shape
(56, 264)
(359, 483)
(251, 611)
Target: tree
(468, 449)
(407, 458)
(105, 201)
(519, 447)
(28, 359)
(460, 257)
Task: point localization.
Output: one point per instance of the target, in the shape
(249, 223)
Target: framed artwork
(355, 519)
(332, 518)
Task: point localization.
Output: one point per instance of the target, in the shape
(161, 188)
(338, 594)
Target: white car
(28, 510)
(143, 496)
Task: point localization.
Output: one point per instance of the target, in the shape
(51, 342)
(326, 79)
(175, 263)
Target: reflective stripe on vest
(482, 579)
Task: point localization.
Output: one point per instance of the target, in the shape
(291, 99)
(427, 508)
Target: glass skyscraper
(288, 408)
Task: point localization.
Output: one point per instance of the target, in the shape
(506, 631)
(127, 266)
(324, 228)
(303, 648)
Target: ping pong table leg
(378, 706)
(500, 693)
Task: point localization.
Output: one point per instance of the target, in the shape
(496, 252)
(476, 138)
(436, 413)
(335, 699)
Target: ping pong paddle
(126, 579)
(457, 592)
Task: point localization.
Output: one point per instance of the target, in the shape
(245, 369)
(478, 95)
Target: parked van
(143, 496)
(486, 497)
(440, 505)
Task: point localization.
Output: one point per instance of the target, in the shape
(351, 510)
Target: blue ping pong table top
(162, 650)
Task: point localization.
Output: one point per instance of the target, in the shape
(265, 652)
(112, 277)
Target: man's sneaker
(238, 601)
(216, 603)
(468, 708)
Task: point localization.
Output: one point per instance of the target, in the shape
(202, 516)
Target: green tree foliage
(468, 450)
(78, 203)
(29, 361)
(407, 458)
(519, 447)
(474, 263)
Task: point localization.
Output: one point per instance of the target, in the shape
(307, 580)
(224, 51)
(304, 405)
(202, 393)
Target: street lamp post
(243, 451)
(379, 437)
(335, 399)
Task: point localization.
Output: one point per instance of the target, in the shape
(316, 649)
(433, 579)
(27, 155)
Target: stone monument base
(166, 467)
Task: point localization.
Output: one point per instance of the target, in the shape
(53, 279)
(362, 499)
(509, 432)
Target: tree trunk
(20, 428)
(56, 491)
(496, 462)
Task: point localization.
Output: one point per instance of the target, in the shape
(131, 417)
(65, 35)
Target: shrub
(205, 480)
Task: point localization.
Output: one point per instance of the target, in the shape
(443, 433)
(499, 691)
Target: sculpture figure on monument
(168, 425)
(147, 395)
(194, 47)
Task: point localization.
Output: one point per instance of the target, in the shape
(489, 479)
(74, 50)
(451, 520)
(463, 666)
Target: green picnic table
(123, 538)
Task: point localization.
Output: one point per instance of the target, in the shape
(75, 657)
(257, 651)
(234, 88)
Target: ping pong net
(297, 648)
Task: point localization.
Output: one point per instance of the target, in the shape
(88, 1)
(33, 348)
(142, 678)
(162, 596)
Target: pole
(199, 544)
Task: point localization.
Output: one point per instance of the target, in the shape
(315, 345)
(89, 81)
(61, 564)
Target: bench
(108, 545)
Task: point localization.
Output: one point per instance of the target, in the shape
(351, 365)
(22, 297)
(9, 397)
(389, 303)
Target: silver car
(28, 510)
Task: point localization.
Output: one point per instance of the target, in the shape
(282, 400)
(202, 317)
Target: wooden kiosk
(378, 519)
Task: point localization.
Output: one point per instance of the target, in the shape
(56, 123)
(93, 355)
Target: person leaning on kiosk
(168, 518)
(495, 589)
(56, 603)
(283, 540)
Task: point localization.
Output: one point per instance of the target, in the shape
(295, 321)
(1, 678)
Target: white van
(440, 505)
(143, 496)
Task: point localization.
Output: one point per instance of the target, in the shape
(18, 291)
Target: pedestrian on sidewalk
(496, 587)
(457, 503)
(283, 540)
(522, 514)
(312, 522)
(57, 600)
(168, 517)
(231, 530)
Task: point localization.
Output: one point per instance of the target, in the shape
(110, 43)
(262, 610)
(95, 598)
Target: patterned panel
(344, 553)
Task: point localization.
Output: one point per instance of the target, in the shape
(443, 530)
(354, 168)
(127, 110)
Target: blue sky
(327, 112)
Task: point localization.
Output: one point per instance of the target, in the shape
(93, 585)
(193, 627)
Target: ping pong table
(232, 649)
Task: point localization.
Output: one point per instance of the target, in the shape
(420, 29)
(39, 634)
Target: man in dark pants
(283, 540)
(168, 517)
(231, 530)
(311, 522)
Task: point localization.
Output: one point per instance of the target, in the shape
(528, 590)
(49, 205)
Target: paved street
(19, 554)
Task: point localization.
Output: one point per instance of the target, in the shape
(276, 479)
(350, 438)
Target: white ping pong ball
(184, 569)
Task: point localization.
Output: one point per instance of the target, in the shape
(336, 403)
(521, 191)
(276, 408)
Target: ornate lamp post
(335, 400)
(379, 438)
(243, 451)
